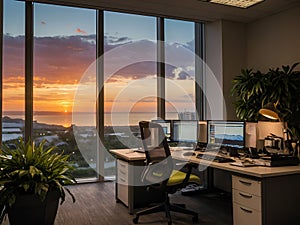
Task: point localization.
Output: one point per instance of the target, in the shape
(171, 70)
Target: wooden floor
(95, 205)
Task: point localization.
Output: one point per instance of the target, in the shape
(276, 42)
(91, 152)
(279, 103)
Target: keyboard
(215, 158)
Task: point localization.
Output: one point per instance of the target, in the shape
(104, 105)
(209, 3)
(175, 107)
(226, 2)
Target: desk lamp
(270, 111)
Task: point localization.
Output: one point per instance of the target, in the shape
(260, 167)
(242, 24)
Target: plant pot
(29, 209)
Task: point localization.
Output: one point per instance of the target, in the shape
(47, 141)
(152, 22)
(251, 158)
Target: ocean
(89, 119)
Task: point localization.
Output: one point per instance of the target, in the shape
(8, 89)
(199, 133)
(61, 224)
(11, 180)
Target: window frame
(161, 108)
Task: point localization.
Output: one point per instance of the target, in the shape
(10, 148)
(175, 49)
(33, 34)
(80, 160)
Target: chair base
(167, 208)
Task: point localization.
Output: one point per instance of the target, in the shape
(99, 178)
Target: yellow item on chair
(177, 177)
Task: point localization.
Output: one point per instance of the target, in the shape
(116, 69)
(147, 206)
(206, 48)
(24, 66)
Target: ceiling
(197, 10)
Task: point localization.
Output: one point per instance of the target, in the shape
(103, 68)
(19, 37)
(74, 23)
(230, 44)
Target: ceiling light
(237, 3)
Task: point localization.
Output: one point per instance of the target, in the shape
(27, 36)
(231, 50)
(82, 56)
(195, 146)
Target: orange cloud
(78, 30)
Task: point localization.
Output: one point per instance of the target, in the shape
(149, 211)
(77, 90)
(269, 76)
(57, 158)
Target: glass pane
(13, 71)
(180, 70)
(130, 79)
(64, 48)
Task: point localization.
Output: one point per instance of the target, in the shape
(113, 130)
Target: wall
(274, 40)
(234, 59)
(225, 56)
(213, 70)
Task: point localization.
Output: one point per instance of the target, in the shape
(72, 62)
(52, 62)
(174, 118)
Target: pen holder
(297, 149)
(294, 147)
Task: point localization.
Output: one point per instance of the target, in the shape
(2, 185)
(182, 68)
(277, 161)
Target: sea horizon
(67, 119)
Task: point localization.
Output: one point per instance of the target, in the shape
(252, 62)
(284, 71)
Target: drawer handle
(246, 183)
(246, 210)
(245, 195)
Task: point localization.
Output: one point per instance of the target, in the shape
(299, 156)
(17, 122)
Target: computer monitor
(226, 133)
(166, 125)
(185, 131)
(202, 132)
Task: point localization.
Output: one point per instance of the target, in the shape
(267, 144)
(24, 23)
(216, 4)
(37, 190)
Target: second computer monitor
(226, 133)
(185, 131)
(166, 125)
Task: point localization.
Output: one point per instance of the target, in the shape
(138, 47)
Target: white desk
(261, 195)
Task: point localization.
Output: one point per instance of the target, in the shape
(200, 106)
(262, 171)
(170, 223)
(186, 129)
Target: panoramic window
(130, 79)
(64, 48)
(13, 71)
(180, 70)
(65, 80)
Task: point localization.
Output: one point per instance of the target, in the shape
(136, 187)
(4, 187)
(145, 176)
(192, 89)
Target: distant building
(11, 131)
(187, 115)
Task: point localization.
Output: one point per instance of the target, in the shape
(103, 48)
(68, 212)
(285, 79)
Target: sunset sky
(64, 57)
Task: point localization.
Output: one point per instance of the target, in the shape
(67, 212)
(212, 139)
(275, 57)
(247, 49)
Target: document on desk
(248, 163)
(243, 164)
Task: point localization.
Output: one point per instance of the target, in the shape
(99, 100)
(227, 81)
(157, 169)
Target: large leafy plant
(33, 169)
(254, 89)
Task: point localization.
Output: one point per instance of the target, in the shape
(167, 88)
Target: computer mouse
(189, 153)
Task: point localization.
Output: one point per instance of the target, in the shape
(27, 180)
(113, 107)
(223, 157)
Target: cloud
(13, 83)
(78, 30)
(179, 74)
(138, 70)
(13, 56)
(190, 45)
(117, 40)
(64, 59)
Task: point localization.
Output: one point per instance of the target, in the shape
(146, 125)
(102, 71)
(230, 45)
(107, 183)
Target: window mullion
(160, 68)
(29, 71)
(199, 71)
(1, 68)
(100, 92)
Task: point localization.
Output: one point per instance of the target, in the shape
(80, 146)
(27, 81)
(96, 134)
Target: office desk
(260, 195)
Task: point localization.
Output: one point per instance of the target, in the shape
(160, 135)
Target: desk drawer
(243, 215)
(123, 193)
(123, 175)
(249, 200)
(122, 172)
(122, 180)
(122, 165)
(246, 185)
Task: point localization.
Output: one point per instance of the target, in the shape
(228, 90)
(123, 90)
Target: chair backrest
(158, 156)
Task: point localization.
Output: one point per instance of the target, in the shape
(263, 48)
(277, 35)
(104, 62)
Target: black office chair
(159, 173)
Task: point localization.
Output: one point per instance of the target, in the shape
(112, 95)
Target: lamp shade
(270, 111)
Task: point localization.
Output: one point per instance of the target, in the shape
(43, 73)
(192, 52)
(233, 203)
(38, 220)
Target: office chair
(159, 173)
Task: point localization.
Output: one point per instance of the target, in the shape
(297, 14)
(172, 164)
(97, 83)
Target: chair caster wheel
(195, 219)
(135, 220)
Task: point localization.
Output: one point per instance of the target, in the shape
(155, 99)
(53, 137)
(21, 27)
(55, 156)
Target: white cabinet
(122, 181)
(247, 201)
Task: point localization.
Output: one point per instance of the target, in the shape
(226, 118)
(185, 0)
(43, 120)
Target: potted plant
(254, 89)
(32, 181)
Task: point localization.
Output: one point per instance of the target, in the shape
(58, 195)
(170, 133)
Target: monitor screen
(166, 125)
(185, 131)
(226, 133)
